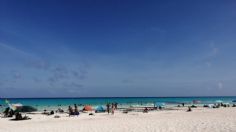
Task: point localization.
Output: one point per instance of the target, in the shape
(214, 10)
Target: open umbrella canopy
(100, 108)
(234, 101)
(87, 108)
(15, 106)
(25, 109)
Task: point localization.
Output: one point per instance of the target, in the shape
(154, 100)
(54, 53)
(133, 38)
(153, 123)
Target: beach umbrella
(234, 101)
(87, 108)
(219, 101)
(15, 106)
(25, 109)
(100, 109)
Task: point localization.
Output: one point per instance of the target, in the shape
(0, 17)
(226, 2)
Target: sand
(199, 120)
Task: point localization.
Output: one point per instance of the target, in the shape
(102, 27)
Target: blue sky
(117, 48)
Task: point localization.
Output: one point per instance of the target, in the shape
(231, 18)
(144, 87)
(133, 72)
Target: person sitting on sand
(44, 111)
(193, 106)
(18, 116)
(51, 113)
(48, 113)
(60, 110)
(145, 110)
(189, 109)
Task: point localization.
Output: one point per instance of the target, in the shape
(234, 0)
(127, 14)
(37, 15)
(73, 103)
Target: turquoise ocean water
(53, 103)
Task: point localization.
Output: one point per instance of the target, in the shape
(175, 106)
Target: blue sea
(54, 103)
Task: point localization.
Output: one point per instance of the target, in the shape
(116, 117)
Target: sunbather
(189, 109)
(51, 113)
(193, 106)
(60, 110)
(145, 110)
(18, 116)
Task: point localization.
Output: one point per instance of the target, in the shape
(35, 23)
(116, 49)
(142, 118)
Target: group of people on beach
(111, 108)
(74, 111)
(10, 113)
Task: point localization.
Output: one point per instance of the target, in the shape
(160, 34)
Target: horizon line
(112, 97)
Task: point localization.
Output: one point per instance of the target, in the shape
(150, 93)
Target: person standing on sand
(116, 105)
(70, 111)
(76, 111)
(108, 108)
(113, 109)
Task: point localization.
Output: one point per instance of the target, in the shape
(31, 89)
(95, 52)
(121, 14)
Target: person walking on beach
(113, 109)
(116, 105)
(108, 108)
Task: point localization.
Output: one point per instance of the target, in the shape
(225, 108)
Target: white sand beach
(199, 120)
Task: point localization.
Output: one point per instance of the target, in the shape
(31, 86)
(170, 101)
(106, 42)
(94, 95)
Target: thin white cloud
(14, 50)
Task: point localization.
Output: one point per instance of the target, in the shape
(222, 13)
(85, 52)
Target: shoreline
(200, 119)
(52, 103)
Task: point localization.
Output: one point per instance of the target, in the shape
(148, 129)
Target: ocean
(54, 103)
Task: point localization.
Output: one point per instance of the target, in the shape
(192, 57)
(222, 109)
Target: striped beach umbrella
(15, 106)
(25, 109)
